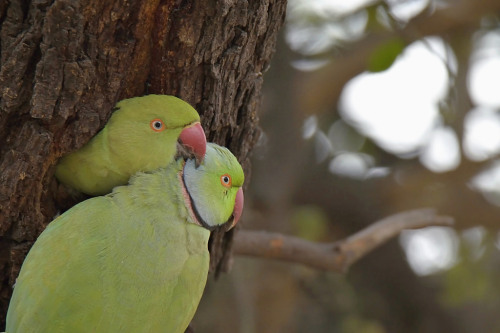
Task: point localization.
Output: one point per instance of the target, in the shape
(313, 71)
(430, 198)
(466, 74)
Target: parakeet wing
(135, 260)
(109, 262)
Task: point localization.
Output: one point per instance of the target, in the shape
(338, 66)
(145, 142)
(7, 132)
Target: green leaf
(384, 55)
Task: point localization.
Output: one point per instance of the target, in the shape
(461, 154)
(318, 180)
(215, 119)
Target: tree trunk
(65, 63)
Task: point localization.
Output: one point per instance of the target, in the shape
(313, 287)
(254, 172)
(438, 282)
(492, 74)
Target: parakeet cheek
(194, 138)
(238, 207)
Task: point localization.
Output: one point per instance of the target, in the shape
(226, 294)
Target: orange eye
(157, 125)
(225, 180)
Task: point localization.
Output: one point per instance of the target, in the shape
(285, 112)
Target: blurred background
(373, 108)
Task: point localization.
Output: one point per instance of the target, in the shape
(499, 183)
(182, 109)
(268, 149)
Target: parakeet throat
(193, 212)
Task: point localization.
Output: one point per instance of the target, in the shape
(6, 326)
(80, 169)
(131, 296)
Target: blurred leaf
(310, 222)
(354, 324)
(310, 127)
(384, 55)
(471, 281)
(465, 284)
(377, 17)
(322, 146)
(344, 137)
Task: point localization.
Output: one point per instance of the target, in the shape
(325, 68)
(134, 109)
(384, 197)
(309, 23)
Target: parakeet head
(152, 126)
(213, 189)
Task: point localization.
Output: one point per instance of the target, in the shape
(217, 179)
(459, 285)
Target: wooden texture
(65, 63)
(340, 255)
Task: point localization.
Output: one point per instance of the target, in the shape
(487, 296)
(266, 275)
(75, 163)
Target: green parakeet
(141, 135)
(135, 260)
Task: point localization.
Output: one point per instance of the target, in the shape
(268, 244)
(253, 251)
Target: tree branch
(453, 19)
(336, 256)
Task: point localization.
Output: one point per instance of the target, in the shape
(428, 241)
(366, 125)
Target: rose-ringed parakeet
(141, 135)
(135, 260)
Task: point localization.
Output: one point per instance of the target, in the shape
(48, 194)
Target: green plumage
(135, 260)
(127, 144)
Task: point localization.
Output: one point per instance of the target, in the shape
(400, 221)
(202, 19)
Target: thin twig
(336, 256)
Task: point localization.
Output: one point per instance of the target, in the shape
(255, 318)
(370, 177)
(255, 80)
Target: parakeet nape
(135, 260)
(141, 135)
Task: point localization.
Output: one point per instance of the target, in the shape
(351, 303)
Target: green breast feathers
(135, 260)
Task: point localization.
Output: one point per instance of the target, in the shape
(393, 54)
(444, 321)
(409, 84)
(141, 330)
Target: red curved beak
(238, 208)
(194, 138)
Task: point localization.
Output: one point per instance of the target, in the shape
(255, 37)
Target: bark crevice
(64, 64)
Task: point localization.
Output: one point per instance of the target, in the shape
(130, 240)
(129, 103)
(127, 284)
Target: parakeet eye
(225, 180)
(157, 125)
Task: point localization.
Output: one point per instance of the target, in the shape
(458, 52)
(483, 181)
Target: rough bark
(65, 63)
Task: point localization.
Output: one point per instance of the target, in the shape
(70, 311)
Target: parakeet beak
(193, 137)
(238, 208)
